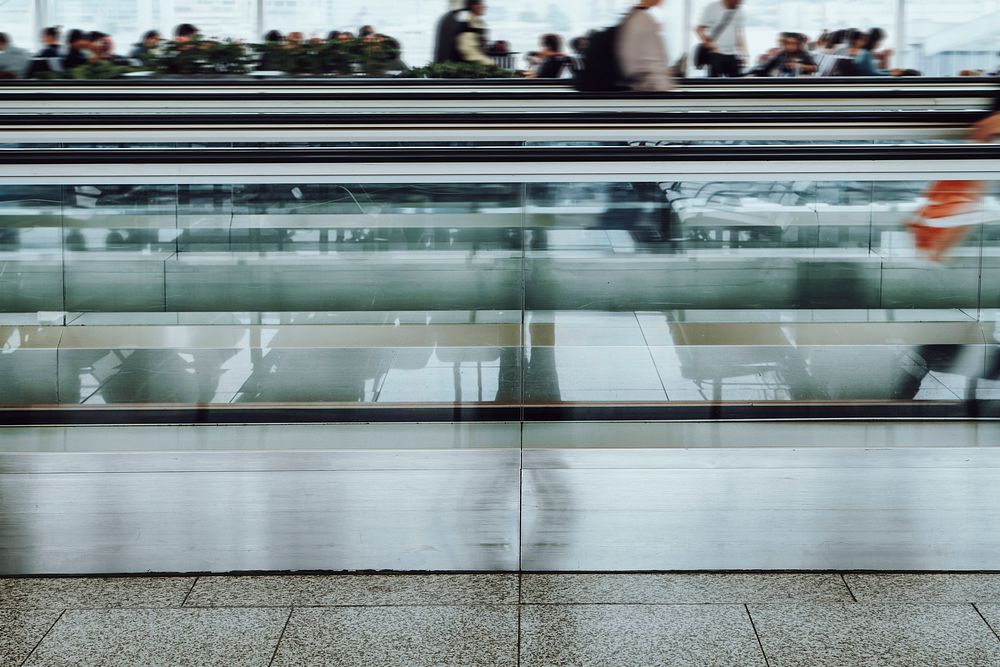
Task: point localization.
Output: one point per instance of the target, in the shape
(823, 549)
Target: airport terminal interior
(377, 369)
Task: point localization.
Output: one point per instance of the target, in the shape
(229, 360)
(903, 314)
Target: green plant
(90, 72)
(203, 56)
(459, 71)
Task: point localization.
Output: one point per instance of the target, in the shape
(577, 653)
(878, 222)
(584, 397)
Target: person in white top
(641, 51)
(722, 30)
(470, 44)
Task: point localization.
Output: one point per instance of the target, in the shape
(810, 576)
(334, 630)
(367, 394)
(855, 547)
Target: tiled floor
(774, 620)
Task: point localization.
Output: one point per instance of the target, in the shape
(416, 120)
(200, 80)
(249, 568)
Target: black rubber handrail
(522, 119)
(374, 82)
(512, 154)
(56, 95)
(478, 412)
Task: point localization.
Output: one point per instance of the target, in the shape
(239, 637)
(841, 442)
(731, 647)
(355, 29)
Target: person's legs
(721, 65)
(714, 65)
(731, 66)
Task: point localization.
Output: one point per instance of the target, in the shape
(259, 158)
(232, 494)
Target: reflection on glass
(658, 292)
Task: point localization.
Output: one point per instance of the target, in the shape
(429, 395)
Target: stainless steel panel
(695, 496)
(801, 510)
(402, 519)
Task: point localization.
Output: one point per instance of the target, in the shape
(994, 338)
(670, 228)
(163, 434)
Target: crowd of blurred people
(77, 48)
(462, 37)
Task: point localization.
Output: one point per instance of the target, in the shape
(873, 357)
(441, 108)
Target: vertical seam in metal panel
(522, 378)
(28, 657)
(756, 634)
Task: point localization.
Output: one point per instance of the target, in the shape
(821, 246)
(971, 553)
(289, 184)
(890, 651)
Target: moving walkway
(223, 252)
(636, 357)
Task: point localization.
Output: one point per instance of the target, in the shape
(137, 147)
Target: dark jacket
(444, 39)
(74, 58)
(776, 65)
(552, 68)
(50, 51)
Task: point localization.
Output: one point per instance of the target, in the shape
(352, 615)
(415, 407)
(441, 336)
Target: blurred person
(501, 47)
(988, 129)
(269, 61)
(104, 49)
(471, 40)
(579, 46)
(146, 46)
(641, 51)
(550, 61)
(824, 53)
(865, 54)
(79, 52)
(51, 46)
(446, 33)
(294, 39)
(366, 31)
(722, 31)
(953, 208)
(876, 36)
(14, 61)
(185, 32)
(792, 60)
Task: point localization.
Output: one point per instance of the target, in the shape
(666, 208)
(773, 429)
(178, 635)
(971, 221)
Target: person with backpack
(641, 53)
(722, 33)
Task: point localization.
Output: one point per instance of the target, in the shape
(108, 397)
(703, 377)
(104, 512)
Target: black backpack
(601, 71)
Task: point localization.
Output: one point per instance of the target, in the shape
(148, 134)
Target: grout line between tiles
(992, 629)
(190, 591)
(520, 609)
(763, 653)
(281, 636)
(35, 648)
(848, 586)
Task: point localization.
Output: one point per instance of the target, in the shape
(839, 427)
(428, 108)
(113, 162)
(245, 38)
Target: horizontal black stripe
(521, 119)
(514, 154)
(365, 82)
(13, 95)
(79, 416)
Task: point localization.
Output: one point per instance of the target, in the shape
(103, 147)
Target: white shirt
(642, 53)
(726, 42)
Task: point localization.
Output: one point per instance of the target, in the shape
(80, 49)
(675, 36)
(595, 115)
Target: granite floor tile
(875, 635)
(94, 593)
(646, 635)
(681, 588)
(20, 631)
(354, 590)
(144, 637)
(955, 588)
(403, 636)
(991, 612)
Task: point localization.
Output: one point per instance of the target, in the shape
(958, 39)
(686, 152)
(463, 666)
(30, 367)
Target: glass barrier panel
(672, 290)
